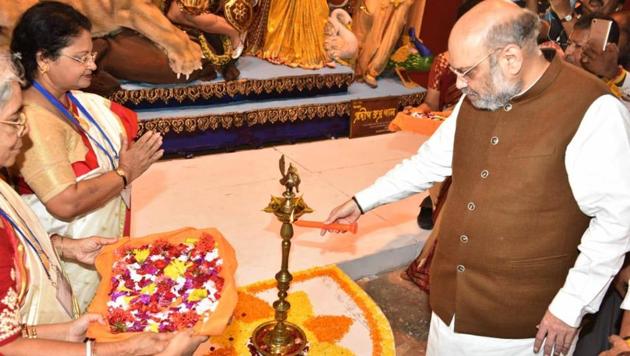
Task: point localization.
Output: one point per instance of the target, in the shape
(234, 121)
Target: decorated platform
(270, 104)
(259, 80)
(337, 316)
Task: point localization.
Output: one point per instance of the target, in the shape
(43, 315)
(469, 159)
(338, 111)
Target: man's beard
(499, 91)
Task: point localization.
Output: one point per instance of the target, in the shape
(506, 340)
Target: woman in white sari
(38, 312)
(77, 165)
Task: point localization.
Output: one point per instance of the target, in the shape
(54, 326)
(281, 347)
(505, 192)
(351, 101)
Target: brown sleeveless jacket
(511, 225)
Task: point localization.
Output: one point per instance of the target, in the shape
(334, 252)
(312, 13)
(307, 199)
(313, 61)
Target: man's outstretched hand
(346, 213)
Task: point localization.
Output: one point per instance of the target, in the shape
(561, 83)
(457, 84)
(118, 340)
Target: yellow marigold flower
(149, 289)
(141, 254)
(197, 295)
(175, 269)
(191, 240)
(127, 299)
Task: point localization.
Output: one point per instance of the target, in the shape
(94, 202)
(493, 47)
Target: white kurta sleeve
(598, 166)
(432, 163)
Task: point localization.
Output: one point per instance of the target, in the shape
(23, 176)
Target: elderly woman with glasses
(38, 311)
(78, 161)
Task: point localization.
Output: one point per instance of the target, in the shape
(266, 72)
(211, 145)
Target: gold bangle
(29, 331)
(58, 249)
(122, 174)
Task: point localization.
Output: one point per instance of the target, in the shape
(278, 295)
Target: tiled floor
(228, 191)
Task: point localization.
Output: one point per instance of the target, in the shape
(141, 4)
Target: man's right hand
(346, 213)
(137, 157)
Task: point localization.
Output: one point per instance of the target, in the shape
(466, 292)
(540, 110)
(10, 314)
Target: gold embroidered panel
(239, 13)
(231, 89)
(192, 125)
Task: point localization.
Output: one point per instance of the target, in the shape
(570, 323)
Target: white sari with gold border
(37, 293)
(106, 221)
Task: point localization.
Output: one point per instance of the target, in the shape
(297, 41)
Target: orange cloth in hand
(422, 125)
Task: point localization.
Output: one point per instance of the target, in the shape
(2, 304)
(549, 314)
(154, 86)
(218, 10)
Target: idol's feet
(238, 50)
(370, 80)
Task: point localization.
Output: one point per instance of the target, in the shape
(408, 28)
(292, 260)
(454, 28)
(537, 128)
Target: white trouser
(444, 341)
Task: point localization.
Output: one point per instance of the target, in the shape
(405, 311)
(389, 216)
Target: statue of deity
(290, 32)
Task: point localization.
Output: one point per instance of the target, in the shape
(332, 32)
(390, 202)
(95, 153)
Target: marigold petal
(301, 307)
(223, 351)
(250, 308)
(141, 254)
(329, 328)
(325, 348)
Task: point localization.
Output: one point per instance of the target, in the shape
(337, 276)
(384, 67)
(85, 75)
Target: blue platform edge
(252, 137)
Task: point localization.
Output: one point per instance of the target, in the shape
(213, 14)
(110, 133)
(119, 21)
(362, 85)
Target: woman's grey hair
(521, 31)
(9, 73)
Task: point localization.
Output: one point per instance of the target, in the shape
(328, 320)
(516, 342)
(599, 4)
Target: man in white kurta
(596, 159)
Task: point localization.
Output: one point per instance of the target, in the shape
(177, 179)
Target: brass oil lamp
(280, 337)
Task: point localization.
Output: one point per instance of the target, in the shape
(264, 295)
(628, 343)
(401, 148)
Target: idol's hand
(183, 343)
(84, 250)
(346, 213)
(556, 334)
(137, 157)
(78, 328)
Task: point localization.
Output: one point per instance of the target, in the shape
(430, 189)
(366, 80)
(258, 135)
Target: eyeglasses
(85, 59)
(19, 124)
(465, 74)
